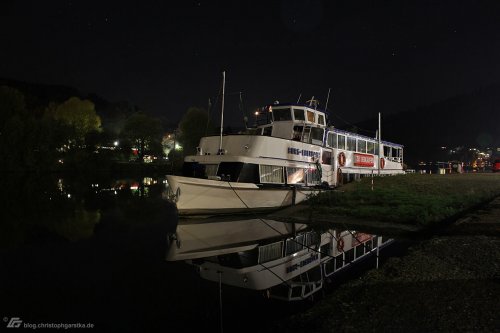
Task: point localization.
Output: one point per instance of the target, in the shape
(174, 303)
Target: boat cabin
(292, 122)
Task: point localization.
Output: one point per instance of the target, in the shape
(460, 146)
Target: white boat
(290, 155)
(288, 261)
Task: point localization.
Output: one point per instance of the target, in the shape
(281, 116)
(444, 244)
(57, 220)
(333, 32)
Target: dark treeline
(50, 135)
(54, 128)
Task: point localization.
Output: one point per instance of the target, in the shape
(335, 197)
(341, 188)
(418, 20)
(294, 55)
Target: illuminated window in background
(271, 174)
(310, 116)
(295, 175)
(298, 114)
(341, 142)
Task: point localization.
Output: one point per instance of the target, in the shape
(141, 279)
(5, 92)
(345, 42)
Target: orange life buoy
(340, 245)
(341, 159)
(382, 162)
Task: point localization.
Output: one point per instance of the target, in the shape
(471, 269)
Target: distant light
(115, 143)
(69, 196)
(256, 113)
(116, 192)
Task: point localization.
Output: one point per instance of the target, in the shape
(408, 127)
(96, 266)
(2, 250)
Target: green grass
(409, 199)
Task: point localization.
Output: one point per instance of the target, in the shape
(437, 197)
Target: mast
(327, 98)
(379, 134)
(222, 111)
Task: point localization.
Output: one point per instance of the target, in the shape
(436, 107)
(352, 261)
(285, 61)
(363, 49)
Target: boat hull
(204, 196)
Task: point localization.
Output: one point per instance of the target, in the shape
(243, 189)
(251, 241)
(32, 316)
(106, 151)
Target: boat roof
(336, 130)
(299, 105)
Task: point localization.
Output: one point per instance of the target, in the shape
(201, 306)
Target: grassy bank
(407, 199)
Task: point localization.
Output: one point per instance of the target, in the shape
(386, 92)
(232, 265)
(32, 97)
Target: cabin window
(282, 114)
(387, 151)
(361, 146)
(211, 170)
(321, 119)
(249, 173)
(332, 140)
(271, 174)
(297, 132)
(370, 147)
(317, 135)
(396, 154)
(294, 175)
(229, 171)
(310, 116)
(326, 157)
(267, 131)
(193, 169)
(298, 114)
(313, 176)
(341, 142)
(306, 135)
(351, 143)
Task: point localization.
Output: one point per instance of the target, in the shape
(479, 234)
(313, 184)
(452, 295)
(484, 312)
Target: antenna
(298, 99)
(222, 111)
(327, 98)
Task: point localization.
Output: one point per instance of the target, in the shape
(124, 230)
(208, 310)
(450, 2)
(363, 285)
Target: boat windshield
(282, 114)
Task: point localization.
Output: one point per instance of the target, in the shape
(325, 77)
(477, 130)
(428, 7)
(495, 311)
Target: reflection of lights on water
(60, 184)
(116, 192)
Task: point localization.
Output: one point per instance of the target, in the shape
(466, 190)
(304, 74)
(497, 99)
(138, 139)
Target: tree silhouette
(194, 125)
(78, 114)
(144, 132)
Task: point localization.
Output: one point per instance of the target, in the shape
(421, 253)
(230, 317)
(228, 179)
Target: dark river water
(93, 252)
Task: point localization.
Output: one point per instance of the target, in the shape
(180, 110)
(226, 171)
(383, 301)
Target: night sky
(377, 56)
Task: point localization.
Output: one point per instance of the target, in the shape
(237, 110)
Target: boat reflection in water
(289, 260)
